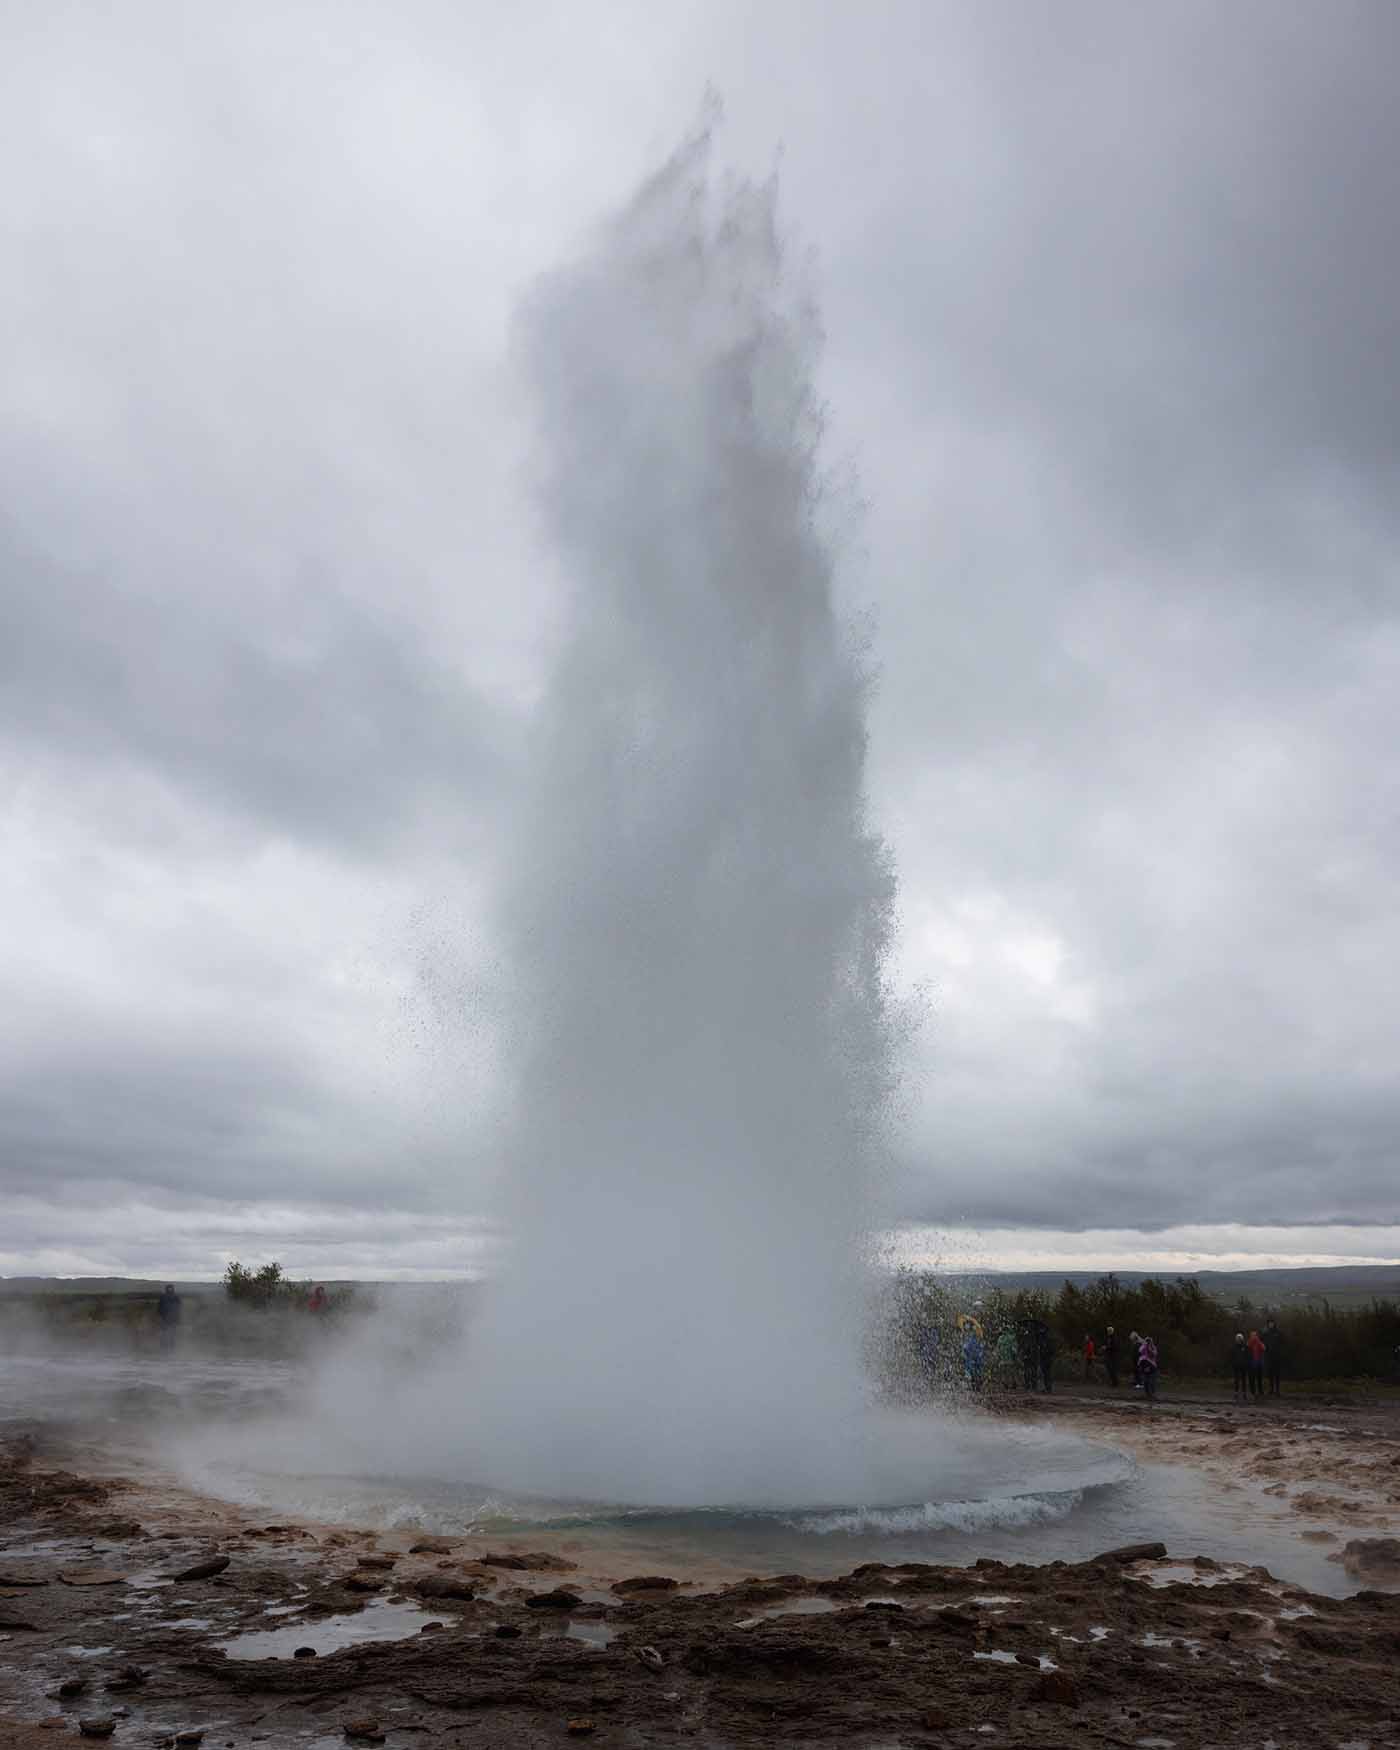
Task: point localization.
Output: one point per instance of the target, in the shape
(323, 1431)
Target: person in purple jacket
(1147, 1367)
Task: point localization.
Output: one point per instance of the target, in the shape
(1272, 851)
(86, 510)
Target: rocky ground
(116, 1613)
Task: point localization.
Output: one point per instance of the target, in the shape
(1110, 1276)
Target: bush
(264, 1287)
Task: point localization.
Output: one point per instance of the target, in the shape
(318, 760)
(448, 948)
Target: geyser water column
(697, 911)
(694, 920)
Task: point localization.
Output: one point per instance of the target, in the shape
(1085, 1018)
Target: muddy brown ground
(1144, 1652)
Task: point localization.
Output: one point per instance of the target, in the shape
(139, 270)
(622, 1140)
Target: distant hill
(100, 1285)
(1342, 1285)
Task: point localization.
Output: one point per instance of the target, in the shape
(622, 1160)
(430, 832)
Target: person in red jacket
(1256, 1365)
(1088, 1357)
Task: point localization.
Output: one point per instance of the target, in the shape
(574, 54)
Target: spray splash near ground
(696, 920)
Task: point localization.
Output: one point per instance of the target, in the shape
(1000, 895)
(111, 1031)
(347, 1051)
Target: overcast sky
(1113, 323)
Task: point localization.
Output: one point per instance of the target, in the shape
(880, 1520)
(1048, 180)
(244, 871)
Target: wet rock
(1372, 1558)
(382, 1563)
(444, 1586)
(193, 1735)
(9, 1579)
(304, 1653)
(507, 1631)
(70, 1687)
(1057, 1688)
(432, 1546)
(128, 1677)
(432, 1628)
(204, 1570)
(120, 1529)
(886, 1604)
(363, 1731)
(645, 1583)
(91, 1577)
(532, 1562)
(360, 1582)
(1032, 1659)
(97, 1726)
(650, 1658)
(17, 1625)
(581, 1728)
(1134, 1552)
(558, 1599)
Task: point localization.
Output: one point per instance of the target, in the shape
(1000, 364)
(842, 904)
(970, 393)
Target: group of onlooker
(1142, 1355)
(1025, 1354)
(1254, 1356)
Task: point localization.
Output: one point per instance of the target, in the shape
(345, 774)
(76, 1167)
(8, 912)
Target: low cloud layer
(1111, 311)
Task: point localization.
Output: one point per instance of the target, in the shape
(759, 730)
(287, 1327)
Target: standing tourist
(1273, 1356)
(1045, 1353)
(1110, 1357)
(168, 1312)
(1088, 1358)
(1256, 1365)
(974, 1356)
(1134, 1348)
(1239, 1366)
(1028, 1351)
(1147, 1368)
(1006, 1358)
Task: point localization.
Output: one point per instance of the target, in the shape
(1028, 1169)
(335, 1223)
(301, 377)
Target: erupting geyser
(695, 917)
(698, 911)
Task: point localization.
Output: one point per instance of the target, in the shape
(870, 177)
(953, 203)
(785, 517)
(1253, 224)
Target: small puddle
(998, 1657)
(376, 1622)
(796, 1607)
(592, 1634)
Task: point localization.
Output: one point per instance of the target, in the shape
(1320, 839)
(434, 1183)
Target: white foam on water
(971, 1516)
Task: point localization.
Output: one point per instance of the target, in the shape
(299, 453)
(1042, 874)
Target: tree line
(1192, 1329)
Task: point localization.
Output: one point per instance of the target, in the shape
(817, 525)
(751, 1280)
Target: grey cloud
(1112, 336)
(312, 716)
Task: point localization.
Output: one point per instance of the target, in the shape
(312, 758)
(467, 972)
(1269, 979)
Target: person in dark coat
(1239, 1366)
(1028, 1351)
(1273, 1357)
(1045, 1353)
(1110, 1356)
(168, 1313)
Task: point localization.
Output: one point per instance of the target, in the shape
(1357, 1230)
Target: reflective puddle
(376, 1622)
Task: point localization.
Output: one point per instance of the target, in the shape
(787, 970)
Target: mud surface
(491, 1643)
